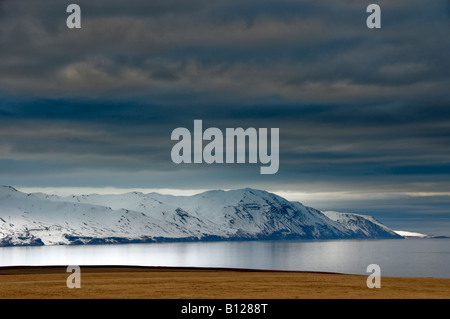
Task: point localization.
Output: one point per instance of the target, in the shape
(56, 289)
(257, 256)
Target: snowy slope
(360, 225)
(31, 219)
(408, 234)
(37, 219)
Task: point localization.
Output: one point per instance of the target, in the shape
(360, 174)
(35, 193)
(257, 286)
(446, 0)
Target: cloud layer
(301, 51)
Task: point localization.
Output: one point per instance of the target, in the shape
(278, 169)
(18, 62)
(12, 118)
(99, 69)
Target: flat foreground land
(201, 283)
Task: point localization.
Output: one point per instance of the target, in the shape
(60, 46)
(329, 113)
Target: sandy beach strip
(105, 282)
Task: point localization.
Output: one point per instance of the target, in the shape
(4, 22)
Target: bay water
(396, 257)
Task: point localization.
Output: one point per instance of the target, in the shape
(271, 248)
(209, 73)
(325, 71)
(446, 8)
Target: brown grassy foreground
(200, 283)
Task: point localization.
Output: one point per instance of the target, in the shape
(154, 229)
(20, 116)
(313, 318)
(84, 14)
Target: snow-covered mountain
(40, 219)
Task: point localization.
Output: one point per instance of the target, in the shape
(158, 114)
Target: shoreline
(133, 268)
(143, 282)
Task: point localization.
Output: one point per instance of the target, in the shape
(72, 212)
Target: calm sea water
(400, 258)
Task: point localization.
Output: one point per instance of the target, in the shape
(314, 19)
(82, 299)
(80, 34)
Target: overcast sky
(364, 114)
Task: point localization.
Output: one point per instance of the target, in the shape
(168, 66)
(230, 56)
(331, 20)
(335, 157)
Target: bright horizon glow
(66, 191)
(289, 195)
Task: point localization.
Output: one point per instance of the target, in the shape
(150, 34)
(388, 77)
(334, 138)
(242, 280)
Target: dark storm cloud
(305, 50)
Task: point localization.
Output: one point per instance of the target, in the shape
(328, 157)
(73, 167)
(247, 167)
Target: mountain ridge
(242, 214)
